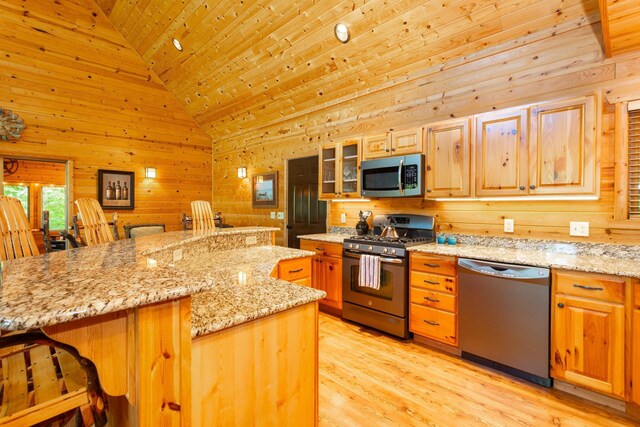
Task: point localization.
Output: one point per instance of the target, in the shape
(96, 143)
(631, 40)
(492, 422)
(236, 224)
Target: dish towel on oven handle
(369, 272)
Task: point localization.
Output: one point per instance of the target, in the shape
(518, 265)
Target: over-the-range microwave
(399, 176)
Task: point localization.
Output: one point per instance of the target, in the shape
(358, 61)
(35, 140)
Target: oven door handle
(400, 176)
(388, 260)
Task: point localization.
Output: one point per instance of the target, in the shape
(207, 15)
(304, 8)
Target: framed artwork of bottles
(116, 189)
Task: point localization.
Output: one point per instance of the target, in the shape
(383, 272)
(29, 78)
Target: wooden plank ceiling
(253, 64)
(621, 25)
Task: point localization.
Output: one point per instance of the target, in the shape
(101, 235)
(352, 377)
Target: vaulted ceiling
(255, 63)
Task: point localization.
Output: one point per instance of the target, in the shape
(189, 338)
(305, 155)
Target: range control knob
(370, 248)
(393, 251)
(350, 245)
(357, 246)
(385, 250)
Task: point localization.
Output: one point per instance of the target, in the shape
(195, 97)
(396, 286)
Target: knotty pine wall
(560, 62)
(85, 95)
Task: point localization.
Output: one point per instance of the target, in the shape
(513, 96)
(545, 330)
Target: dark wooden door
(306, 214)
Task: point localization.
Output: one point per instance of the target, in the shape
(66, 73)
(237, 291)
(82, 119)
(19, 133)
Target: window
(20, 192)
(634, 163)
(53, 200)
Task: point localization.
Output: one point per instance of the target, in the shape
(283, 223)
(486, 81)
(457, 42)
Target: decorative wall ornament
(10, 166)
(11, 125)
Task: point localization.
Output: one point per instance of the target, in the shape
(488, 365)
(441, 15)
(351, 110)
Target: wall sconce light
(150, 173)
(242, 172)
(342, 32)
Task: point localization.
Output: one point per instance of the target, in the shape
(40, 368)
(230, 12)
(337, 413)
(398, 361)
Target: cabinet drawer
(590, 285)
(433, 299)
(433, 282)
(433, 264)
(436, 324)
(295, 269)
(322, 248)
(636, 295)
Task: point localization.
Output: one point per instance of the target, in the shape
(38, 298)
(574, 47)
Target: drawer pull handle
(296, 271)
(431, 282)
(432, 323)
(319, 249)
(589, 288)
(432, 265)
(431, 299)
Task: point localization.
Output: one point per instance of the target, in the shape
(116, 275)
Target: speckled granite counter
(326, 237)
(84, 282)
(620, 260)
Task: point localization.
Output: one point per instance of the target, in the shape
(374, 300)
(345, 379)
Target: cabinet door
(317, 273)
(375, 146)
(501, 153)
(448, 159)
(349, 168)
(588, 344)
(329, 165)
(635, 364)
(562, 156)
(332, 275)
(406, 142)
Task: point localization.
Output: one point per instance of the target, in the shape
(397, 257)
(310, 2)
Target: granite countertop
(326, 237)
(67, 285)
(620, 260)
(243, 289)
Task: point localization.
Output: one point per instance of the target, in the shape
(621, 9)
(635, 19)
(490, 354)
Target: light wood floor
(369, 379)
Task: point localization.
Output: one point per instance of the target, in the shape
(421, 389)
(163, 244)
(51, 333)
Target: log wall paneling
(85, 95)
(620, 25)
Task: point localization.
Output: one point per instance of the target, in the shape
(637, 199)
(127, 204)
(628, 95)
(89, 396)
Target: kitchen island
(132, 307)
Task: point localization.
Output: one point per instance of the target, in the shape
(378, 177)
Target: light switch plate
(577, 228)
(251, 240)
(177, 255)
(343, 218)
(508, 225)
(280, 215)
(273, 215)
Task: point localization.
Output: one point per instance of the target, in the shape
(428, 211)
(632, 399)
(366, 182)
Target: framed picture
(116, 189)
(265, 190)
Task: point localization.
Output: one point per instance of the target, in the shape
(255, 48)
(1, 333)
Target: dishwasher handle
(497, 269)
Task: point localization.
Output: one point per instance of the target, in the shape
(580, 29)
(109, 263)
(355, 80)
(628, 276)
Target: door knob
(289, 227)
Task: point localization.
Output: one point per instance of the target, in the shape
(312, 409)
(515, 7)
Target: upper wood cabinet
(563, 155)
(501, 153)
(340, 169)
(448, 158)
(393, 143)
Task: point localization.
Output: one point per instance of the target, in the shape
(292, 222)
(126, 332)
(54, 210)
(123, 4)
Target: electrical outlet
(273, 215)
(177, 255)
(508, 225)
(343, 218)
(577, 228)
(251, 240)
(280, 215)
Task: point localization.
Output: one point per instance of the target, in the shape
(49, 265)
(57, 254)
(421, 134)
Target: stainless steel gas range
(384, 304)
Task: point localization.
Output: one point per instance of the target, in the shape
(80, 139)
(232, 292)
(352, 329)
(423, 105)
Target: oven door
(391, 298)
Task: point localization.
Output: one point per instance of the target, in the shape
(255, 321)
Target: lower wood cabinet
(327, 271)
(297, 270)
(635, 364)
(588, 343)
(433, 296)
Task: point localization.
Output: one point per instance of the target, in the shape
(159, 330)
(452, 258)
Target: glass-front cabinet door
(340, 169)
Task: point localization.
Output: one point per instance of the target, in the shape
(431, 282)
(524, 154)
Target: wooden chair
(15, 230)
(41, 379)
(95, 224)
(139, 230)
(202, 216)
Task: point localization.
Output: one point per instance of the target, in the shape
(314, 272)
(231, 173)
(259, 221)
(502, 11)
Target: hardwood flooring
(370, 379)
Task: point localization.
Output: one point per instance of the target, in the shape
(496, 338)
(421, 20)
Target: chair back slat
(202, 214)
(15, 230)
(96, 226)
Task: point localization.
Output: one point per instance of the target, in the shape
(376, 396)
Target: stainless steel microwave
(400, 176)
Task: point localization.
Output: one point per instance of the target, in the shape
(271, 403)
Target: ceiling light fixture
(342, 32)
(177, 44)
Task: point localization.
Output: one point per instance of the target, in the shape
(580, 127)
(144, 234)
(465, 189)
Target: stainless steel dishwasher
(504, 317)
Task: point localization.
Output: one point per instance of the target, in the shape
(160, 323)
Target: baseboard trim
(437, 345)
(608, 401)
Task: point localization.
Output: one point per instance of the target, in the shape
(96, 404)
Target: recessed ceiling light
(342, 32)
(177, 44)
